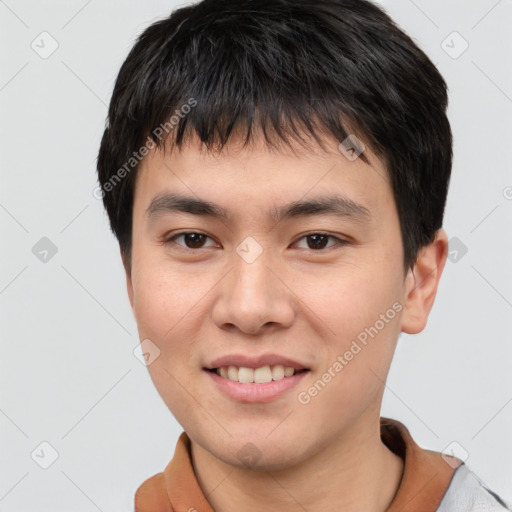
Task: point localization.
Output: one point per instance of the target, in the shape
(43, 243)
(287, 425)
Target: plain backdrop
(68, 374)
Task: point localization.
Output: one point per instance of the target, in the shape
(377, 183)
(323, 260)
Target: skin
(308, 304)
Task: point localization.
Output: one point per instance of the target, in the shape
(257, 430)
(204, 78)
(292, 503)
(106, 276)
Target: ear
(421, 284)
(128, 274)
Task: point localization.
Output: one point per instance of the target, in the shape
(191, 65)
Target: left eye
(314, 241)
(318, 241)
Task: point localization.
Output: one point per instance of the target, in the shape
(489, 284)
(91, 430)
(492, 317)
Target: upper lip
(254, 362)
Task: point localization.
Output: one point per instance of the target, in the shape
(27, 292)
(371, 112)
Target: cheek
(164, 311)
(153, 305)
(169, 306)
(159, 303)
(349, 299)
(362, 310)
(367, 323)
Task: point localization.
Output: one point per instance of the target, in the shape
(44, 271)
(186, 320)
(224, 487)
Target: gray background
(68, 374)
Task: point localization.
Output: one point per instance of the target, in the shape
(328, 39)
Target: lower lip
(256, 393)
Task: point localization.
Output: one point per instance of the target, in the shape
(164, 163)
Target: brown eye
(191, 239)
(319, 241)
(194, 240)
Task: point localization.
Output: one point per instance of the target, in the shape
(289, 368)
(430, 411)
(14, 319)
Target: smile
(259, 375)
(255, 385)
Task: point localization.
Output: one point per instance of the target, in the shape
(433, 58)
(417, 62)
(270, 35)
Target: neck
(356, 472)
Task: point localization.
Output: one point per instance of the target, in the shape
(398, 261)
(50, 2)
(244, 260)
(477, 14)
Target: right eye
(192, 239)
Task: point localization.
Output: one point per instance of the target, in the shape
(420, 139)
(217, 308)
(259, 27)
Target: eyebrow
(337, 205)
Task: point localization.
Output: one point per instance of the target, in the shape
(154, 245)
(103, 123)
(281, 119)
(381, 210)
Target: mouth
(255, 378)
(260, 375)
(255, 385)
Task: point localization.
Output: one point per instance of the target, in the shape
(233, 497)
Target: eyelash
(341, 241)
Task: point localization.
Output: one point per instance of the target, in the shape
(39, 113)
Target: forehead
(262, 178)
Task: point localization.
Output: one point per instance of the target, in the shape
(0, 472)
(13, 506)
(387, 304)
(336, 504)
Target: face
(318, 290)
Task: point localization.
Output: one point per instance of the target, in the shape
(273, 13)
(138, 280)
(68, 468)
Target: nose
(254, 298)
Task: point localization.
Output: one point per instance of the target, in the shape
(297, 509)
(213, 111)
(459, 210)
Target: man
(276, 174)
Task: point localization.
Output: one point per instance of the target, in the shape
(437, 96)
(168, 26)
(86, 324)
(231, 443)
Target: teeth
(277, 372)
(256, 375)
(288, 372)
(232, 373)
(262, 375)
(245, 374)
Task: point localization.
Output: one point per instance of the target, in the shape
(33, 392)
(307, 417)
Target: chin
(261, 453)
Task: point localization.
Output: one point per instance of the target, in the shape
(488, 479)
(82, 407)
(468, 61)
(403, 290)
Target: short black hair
(286, 68)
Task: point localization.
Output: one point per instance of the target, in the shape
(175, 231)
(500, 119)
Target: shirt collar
(425, 480)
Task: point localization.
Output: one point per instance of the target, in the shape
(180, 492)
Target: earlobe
(421, 284)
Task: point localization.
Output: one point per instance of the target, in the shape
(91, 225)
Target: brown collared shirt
(431, 481)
